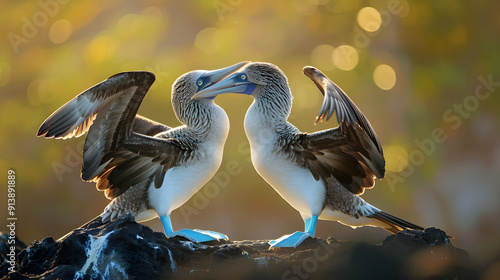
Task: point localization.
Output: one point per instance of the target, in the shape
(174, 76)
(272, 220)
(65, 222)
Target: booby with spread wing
(320, 174)
(148, 169)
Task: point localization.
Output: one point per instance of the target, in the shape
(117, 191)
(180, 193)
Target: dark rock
(7, 241)
(125, 249)
(228, 253)
(8, 256)
(410, 241)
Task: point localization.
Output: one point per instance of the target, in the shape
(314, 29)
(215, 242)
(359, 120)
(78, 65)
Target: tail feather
(394, 224)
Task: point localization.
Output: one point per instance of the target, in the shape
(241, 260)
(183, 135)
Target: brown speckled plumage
(346, 159)
(125, 153)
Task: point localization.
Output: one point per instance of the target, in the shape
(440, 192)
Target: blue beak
(212, 77)
(235, 83)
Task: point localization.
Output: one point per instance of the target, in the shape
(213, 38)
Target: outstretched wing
(350, 152)
(75, 117)
(114, 156)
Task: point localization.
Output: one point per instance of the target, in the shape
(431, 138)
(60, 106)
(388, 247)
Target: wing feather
(140, 159)
(351, 152)
(121, 149)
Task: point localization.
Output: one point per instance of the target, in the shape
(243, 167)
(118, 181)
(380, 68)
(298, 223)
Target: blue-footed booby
(319, 174)
(148, 169)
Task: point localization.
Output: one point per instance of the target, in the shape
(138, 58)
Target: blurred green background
(423, 72)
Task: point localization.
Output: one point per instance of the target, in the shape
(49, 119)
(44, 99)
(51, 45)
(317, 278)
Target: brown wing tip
(309, 71)
(313, 73)
(150, 75)
(43, 129)
(117, 74)
(41, 133)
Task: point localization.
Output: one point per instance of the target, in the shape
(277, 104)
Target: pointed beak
(212, 77)
(233, 83)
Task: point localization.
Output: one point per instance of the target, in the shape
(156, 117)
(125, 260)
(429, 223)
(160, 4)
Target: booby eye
(199, 83)
(243, 77)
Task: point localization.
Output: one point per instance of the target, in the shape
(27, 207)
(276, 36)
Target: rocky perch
(125, 249)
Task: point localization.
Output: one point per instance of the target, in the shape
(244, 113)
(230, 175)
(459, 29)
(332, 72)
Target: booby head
(187, 85)
(263, 81)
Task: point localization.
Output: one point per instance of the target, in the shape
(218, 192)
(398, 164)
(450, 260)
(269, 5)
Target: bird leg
(296, 238)
(194, 235)
(167, 224)
(310, 225)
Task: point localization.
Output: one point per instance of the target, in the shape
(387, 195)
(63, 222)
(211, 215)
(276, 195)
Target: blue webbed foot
(197, 235)
(296, 238)
(194, 235)
(290, 240)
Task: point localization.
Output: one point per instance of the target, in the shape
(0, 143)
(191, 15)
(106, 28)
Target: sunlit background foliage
(417, 69)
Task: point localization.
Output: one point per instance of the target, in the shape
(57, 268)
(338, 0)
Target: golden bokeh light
(384, 77)
(425, 60)
(212, 40)
(32, 92)
(345, 57)
(396, 158)
(100, 49)
(125, 24)
(400, 8)
(321, 55)
(369, 19)
(225, 40)
(204, 40)
(304, 7)
(60, 31)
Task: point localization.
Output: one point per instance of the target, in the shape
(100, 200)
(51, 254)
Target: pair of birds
(149, 169)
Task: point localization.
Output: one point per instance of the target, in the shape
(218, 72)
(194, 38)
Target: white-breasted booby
(145, 167)
(320, 174)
